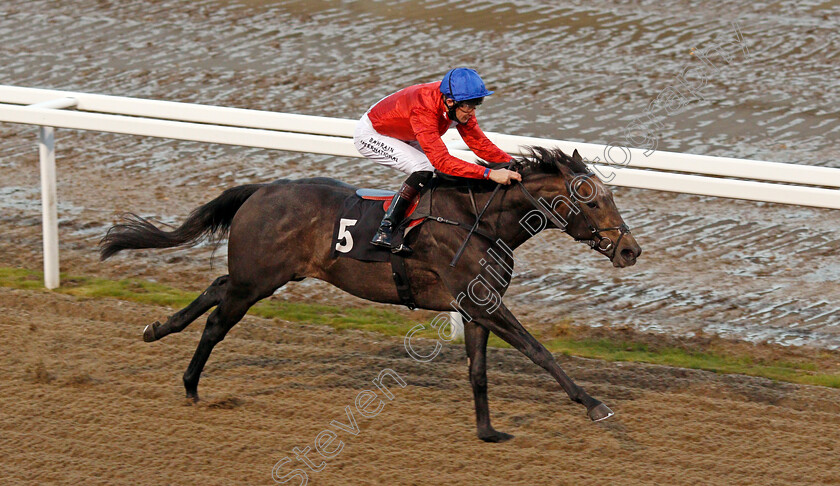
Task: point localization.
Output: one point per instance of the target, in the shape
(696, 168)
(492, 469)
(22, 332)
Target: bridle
(598, 242)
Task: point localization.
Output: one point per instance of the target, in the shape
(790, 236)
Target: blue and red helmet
(462, 84)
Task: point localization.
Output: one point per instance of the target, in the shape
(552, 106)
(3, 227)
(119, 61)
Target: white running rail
(664, 171)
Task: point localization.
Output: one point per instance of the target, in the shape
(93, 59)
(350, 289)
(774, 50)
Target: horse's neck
(508, 214)
(514, 211)
(502, 218)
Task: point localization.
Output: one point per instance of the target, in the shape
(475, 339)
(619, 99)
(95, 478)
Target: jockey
(404, 131)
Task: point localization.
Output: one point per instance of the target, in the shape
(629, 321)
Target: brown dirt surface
(84, 400)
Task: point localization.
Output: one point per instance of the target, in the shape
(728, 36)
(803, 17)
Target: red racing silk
(419, 113)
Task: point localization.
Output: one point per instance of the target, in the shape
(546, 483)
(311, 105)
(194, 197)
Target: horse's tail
(213, 218)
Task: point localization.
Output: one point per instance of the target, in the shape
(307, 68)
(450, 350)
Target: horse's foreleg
(505, 325)
(232, 308)
(475, 339)
(184, 317)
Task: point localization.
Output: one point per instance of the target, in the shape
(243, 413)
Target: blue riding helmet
(463, 84)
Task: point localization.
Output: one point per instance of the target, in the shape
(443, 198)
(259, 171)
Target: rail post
(49, 207)
(49, 197)
(457, 323)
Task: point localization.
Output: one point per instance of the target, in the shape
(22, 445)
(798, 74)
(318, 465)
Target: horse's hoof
(149, 332)
(493, 435)
(600, 412)
(192, 397)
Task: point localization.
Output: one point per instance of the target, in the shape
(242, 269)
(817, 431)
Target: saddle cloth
(358, 221)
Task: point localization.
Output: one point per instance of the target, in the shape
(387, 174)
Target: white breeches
(407, 157)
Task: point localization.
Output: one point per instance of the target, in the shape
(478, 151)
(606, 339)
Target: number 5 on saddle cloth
(359, 219)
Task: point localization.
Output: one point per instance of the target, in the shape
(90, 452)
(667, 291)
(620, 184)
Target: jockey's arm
(478, 142)
(425, 129)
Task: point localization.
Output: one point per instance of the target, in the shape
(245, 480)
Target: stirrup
(402, 250)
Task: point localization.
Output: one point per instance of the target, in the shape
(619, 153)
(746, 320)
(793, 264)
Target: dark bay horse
(283, 231)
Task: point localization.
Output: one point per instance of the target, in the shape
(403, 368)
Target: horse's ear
(576, 156)
(563, 169)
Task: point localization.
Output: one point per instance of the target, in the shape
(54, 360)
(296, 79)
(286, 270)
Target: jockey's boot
(393, 217)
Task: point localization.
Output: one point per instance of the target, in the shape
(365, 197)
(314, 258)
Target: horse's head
(570, 197)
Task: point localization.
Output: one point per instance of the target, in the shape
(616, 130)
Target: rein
(475, 225)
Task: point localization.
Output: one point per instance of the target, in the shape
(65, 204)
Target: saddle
(359, 219)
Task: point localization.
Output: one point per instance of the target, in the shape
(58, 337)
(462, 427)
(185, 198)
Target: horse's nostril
(628, 254)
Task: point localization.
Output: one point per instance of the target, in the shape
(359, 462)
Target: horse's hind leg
(181, 319)
(234, 305)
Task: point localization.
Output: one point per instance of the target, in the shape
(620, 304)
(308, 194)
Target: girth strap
(401, 280)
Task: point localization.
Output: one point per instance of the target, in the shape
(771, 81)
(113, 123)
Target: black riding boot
(396, 211)
(393, 218)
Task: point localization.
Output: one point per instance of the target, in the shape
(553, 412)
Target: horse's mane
(536, 160)
(540, 159)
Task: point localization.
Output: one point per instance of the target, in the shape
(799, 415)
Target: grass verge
(791, 364)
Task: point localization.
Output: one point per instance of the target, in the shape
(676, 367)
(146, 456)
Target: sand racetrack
(84, 400)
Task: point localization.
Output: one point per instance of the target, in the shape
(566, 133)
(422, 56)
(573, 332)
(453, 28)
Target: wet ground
(580, 71)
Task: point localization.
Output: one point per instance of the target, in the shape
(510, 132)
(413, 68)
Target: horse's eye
(592, 204)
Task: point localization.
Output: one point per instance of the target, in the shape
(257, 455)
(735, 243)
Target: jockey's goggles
(473, 103)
